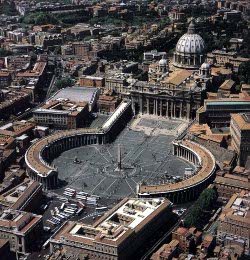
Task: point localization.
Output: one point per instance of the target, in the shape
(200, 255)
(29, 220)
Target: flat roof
(129, 216)
(222, 102)
(77, 94)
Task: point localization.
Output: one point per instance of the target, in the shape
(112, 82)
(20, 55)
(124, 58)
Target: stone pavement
(154, 125)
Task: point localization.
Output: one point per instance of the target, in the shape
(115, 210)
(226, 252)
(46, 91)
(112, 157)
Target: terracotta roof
(33, 153)
(30, 224)
(241, 121)
(177, 77)
(232, 182)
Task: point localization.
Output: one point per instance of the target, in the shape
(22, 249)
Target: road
(161, 241)
(51, 86)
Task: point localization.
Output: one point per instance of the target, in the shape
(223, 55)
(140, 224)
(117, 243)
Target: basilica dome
(190, 43)
(189, 51)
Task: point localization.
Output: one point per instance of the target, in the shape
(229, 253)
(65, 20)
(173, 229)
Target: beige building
(22, 229)
(119, 233)
(234, 222)
(22, 197)
(178, 95)
(222, 57)
(240, 131)
(217, 112)
(62, 114)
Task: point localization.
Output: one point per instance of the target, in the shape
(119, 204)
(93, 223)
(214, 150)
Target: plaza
(146, 156)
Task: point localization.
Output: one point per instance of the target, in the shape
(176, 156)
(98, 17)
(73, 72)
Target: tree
(198, 211)
(63, 83)
(44, 18)
(244, 72)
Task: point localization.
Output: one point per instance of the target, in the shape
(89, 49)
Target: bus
(46, 244)
(79, 211)
(62, 206)
(95, 196)
(71, 212)
(61, 216)
(101, 208)
(51, 222)
(82, 193)
(68, 194)
(56, 218)
(64, 214)
(70, 190)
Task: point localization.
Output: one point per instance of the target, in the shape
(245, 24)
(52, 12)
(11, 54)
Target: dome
(163, 62)
(205, 66)
(189, 51)
(190, 43)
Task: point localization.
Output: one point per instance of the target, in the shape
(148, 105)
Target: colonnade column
(181, 108)
(172, 109)
(161, 107)
(167, 108)
(156, 106)
(147, 100)
(140, 104)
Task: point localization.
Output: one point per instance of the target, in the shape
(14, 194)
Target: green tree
(244, 72)
(198, 211)
(63, 83)
(44, 18)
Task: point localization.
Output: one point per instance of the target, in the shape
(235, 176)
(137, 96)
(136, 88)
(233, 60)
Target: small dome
(205, 66)
(163, 62)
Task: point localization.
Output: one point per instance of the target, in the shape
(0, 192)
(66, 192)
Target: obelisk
(119, 157)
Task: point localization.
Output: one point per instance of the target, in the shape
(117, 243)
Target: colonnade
(186, 154)
(69, 142)
(49, 181)
(188, 189)
(39, 156)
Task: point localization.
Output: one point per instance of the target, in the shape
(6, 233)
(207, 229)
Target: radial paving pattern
(144, 158)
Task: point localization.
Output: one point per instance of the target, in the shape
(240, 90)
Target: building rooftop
(233, 182)
(177, 77)
(76, 94)
(17, 221)
(17, 196)
(62, 107)
(129, 216)
(242, 120)
(237, 208)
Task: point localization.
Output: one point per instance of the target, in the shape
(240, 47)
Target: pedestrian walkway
(153, 125)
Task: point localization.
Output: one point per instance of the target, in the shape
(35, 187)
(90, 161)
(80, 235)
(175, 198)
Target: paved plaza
(145, 158)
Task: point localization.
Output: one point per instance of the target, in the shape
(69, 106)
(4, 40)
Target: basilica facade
(175, 92)
(174, 88)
